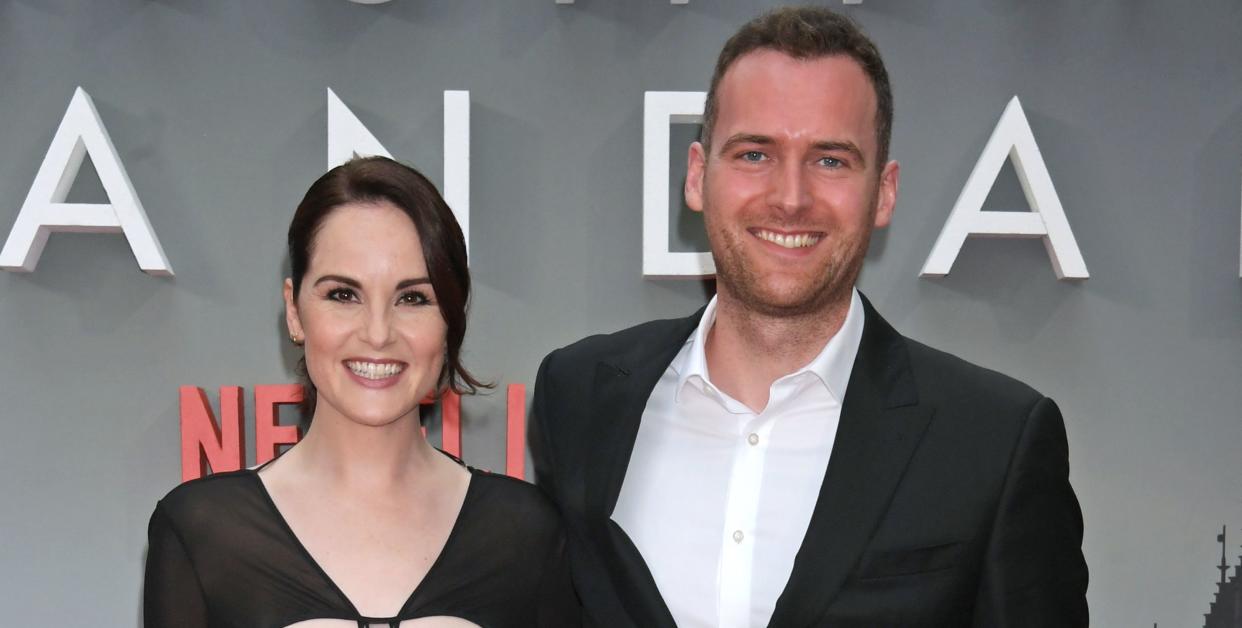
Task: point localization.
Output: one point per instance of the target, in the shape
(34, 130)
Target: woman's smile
(375, 373)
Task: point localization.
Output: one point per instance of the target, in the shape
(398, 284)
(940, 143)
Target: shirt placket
(737, 552)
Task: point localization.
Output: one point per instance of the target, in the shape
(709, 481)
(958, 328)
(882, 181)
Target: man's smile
(791, 240)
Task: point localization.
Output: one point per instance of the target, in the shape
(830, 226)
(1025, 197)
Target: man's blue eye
(752, 155)
(831, 162)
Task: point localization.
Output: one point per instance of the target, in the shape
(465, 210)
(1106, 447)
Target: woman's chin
(374, 418)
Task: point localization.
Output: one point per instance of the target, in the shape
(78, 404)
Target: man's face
(791, 189)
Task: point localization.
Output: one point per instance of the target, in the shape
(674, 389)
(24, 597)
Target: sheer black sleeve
(172, 597)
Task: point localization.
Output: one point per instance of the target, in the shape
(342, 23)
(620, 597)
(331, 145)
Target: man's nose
(789, 191)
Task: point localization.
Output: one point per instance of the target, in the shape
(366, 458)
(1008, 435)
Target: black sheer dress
(221, 555)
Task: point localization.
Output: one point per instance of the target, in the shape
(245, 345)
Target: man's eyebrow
(745, 138)
(826, 145)
(849, 147)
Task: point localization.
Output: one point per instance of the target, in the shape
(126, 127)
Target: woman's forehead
(370, 236)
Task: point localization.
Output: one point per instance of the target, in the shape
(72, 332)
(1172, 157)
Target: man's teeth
(789, 241)
(371, 370)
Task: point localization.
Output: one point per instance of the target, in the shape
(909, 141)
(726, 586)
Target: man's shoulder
(623, 342)
(947, 377)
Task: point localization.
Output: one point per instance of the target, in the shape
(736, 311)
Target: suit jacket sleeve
(539, 433)
(1034, 573)
(558, 603)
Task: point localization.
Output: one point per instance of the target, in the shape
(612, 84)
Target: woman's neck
(342, 453)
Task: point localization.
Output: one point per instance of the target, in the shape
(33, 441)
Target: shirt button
(753, 439)
(738, 536)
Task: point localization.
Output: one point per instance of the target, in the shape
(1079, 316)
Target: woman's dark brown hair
(380, 179)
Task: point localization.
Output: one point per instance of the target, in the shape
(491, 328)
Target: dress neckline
(449, 541)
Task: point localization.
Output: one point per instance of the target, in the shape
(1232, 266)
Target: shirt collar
(832, 366)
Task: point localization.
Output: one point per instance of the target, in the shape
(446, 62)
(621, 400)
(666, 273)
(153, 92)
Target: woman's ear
(292, 320)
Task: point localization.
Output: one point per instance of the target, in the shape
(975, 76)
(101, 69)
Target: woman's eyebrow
(353, 283)
(406, 283)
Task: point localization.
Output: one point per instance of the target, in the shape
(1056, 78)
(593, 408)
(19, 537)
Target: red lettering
(450, 423)
(269, 434)
(515, 432)
(211, 446)
(203, 441)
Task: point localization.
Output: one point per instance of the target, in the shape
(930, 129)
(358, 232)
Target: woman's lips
(375, 373)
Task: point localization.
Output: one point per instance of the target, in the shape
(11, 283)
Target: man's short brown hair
(808, 33)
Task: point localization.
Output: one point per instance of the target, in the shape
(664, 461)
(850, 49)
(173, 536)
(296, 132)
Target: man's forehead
(826, 94)
(837, 76)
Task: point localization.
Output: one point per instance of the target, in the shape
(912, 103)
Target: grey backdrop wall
(218, 111)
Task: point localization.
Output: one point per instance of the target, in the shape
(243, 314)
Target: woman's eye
(343, 295)
(413, 297)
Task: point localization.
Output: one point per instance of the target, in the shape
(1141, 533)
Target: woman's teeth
(372, 370)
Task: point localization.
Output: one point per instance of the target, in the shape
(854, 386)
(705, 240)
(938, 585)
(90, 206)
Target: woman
(363, 522)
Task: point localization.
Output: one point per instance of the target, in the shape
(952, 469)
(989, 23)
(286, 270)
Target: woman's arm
(172, 596)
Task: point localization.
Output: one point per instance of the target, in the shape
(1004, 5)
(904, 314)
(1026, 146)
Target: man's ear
(886, 197)
(292, 320)
(696, 162)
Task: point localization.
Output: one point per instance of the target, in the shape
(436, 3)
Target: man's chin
(791, 302)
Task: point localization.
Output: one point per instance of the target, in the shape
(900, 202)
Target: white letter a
(1012, 138)
(81, 132)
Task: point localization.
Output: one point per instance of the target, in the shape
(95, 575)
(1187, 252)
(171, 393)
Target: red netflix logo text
(209, 445)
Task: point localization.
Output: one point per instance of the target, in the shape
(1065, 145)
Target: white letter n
(349, 138)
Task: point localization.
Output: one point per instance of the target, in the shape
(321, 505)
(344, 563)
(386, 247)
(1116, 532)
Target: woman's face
(374, 336)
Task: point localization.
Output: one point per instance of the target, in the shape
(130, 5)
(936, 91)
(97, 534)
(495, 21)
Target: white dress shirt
(717, 498)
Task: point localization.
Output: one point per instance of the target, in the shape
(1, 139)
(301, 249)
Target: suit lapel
(880, 428)
(622, 385)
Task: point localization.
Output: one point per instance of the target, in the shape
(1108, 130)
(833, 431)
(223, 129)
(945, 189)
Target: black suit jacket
(946, 501)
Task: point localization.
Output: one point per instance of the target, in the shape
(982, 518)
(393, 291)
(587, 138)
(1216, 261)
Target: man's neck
(747, 351)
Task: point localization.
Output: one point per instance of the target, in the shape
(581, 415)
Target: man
(784, 457)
